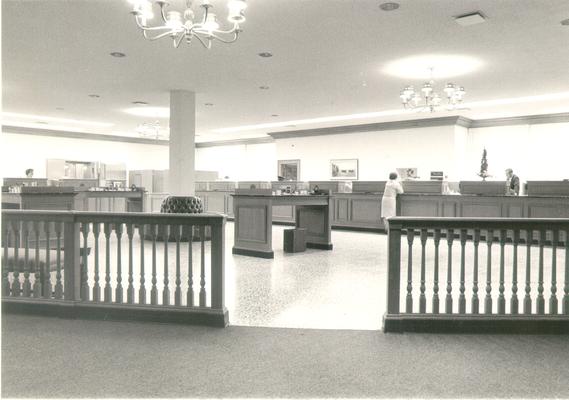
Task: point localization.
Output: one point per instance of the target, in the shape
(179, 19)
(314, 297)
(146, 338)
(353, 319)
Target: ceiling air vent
(470, 19)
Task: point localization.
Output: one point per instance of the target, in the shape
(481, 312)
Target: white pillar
(181, 179)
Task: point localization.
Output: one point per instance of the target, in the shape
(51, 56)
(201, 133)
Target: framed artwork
(288, 170)
(344, 169)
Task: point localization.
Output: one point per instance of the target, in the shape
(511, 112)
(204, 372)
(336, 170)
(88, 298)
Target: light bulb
(409, 90)
(174, 20)
(238, 5)
(427, 89)
(449, 89)
(404, 97)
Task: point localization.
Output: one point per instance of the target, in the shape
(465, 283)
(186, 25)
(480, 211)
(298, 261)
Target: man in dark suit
(512, 184)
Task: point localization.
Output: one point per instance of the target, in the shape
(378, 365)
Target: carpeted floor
(49, 357)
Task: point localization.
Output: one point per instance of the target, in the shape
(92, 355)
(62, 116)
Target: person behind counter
(512, 183)
(388, 202)
(29, 173)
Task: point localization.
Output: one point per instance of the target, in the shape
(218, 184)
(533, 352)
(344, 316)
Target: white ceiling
(328, 60)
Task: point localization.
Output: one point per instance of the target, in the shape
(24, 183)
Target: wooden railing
(115, 265)
(493, 286)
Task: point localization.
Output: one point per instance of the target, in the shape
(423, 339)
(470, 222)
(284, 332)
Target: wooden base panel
(253, 253)
(117, 312)
(520, 324)
(320, 246)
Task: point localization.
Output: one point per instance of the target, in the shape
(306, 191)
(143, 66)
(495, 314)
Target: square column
(181, 174)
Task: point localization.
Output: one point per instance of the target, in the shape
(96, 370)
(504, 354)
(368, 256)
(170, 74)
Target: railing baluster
(107, 229)
(16, 287)
(448, 302)
(119, 288)
(553, 299)
(142, 288)
(84, 264)
(47, 273)
(527, 297)
(96, 286)
(178, 291)
(58, 228)
(540, 302)
(5, 267)
(488, 298)
(566, 287)
(501, 288)
(190, 294)
(514, 301)
(475, 299)
(37, 287)
(166, 291)
(202, 273)
(422, 298)
(154, 289)
(130, 289)
(27, 288)
(437, 240)
(409, 297)
(462, 288)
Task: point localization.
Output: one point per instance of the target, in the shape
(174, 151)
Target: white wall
(20, 152)
(253, 162)
(534, 152)
(379, 153)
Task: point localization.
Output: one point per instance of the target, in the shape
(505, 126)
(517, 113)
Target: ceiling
(328, 57)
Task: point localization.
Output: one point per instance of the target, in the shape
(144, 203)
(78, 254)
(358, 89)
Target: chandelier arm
(232, 30)
(207, 46)
(236, 35)
(180, 38)
(163, 12)
(205, 15)
(158, 36)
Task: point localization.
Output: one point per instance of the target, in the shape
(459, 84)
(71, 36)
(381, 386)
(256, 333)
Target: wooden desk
(254, 222)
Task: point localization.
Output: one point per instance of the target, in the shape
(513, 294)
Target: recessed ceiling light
(565, 22)
(389, 6)
(151, 112)
(443, 66)
(208, 104)
(95, 96)
(41, 122)
(274, 115)
(265, 54)
(140, 103)
(59, 108)
(263, 87)
(470, 19)
(118, 54)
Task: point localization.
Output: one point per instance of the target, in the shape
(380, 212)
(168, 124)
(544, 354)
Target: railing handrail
(479, 223)
(210, 219)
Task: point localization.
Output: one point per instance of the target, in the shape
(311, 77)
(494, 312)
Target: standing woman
(388, 202)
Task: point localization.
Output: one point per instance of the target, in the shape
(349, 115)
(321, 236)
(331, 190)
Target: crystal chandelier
(186, 25)
(428, 100)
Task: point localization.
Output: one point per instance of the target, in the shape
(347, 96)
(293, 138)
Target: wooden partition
(478, 275)
(102, 266)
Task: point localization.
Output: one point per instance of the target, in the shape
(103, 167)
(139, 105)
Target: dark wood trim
(320, 246)
(440, 323)
(116, 312)
(253, 253)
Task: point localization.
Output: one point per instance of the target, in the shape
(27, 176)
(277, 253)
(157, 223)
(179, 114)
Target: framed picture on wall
(344, 169)
(288, 170)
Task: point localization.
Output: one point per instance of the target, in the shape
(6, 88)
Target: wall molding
(20, 130)
(424, 123)
(335, 130)
(373, 127)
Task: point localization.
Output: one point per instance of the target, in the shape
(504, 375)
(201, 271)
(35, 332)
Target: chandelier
(428, 100)
(187, 25)
(151, 130)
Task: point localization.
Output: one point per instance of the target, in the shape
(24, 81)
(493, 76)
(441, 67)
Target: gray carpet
(49, 357)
